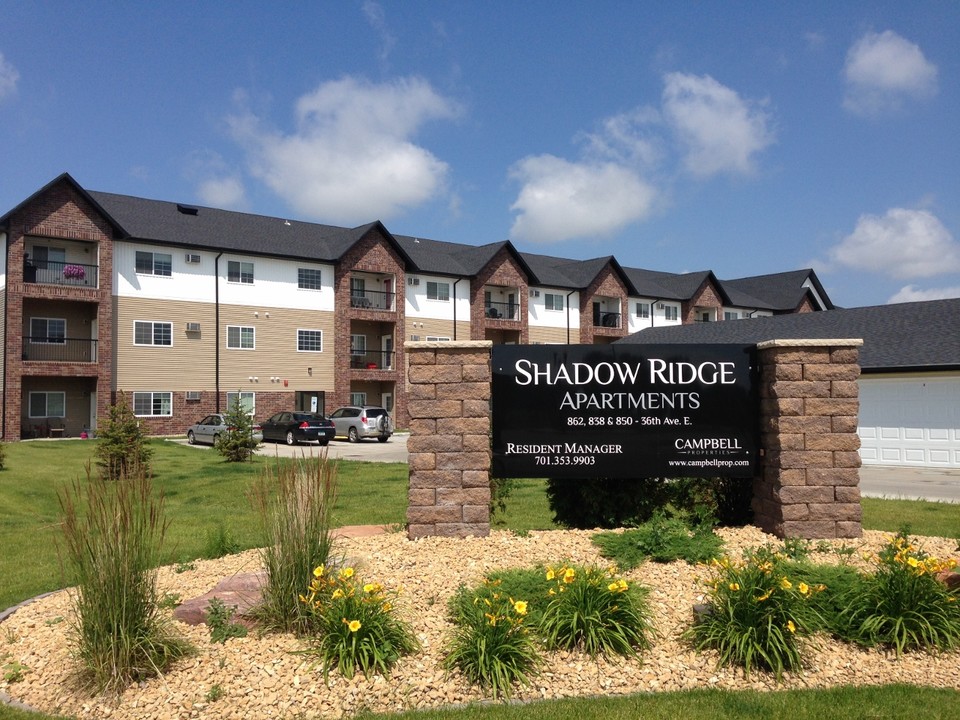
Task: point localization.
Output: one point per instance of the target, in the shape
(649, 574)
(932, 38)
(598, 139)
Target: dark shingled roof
(164, 222)
(907, 336)
(778, 291)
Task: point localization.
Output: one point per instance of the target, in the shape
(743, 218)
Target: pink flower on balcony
(74, 272)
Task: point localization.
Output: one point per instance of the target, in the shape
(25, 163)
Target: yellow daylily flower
(790, 626)
(803, 588)
(785, 584)
(318, 571)
(550, 574)
(354, 625)
(734, 586)
(346, 573)
(521, 607)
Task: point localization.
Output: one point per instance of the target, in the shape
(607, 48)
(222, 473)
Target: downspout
(568, 314)
(6, 306)
(216, 326)
(455, 308)
(653, 307)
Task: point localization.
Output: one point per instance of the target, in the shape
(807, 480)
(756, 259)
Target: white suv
(356, 422)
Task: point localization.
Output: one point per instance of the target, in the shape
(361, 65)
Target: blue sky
(745, 138)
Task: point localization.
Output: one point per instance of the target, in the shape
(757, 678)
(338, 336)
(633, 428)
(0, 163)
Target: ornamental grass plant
(355, 625)
(902, 605)
(112, 536)
(593, 610)
(293, 502)
(757, 613)
(492, 645)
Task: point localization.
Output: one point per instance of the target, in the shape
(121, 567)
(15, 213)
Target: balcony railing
(607, 320)
(372, 360)
(46, 272)
(502, 311)
(372, 300)
(60, 350)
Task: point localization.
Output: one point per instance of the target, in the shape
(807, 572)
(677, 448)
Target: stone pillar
(448, 396)
(809, 486)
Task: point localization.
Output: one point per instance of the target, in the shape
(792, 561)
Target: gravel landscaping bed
(259, 676)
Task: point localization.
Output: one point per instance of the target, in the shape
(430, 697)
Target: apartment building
(185, 308)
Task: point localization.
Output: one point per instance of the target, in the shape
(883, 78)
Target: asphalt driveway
(394, 450)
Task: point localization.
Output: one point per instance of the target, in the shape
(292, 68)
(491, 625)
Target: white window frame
(358, 398)
(248, 400)
(165, 398)
(46, 403)
(643, 310)
(166, 259)
(671, 312)
(239, 276)
(300, 338)
(49, 339)
(553, 302)
(731, 315)
(437, 338)
(240, 337)
(154, 324)
(316, 276)
(436, 295)
(358, 348)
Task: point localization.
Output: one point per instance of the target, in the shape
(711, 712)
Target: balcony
(372, 360)
(59, 350)
(372, 300)
(48, 272)
(606, 319)
(501, 310)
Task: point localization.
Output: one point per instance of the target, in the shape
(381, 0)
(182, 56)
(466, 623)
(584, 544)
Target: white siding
(913, 421)
(418, 306)
(539, 316)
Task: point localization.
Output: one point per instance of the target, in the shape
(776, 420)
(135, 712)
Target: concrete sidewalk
(908, 483)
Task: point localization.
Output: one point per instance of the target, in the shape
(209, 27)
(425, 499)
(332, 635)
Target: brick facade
(449, 444)
(809, 485)
(707, 297)
(607, 283)
(504, 270)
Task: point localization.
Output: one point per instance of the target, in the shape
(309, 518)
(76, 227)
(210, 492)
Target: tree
(237, 443)
(122, 451)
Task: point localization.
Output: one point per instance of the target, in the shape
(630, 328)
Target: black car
(297, 427)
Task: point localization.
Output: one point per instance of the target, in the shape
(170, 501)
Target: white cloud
(911, 293)
(561, 200)
(9, 77)
(350, 158)
(223, 192)
(883, 70)
(901, 244)
(720, 131)
(377, 18)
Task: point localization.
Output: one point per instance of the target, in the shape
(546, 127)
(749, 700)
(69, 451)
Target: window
(47, 330)
(151, 263)
(248, 401)
(731, 315)
(48, 404)
(670, 312)
(552, 301)
(240, 338)
(310, 340)
(436, 338)
(643, 310)
(359, 398)
(308, 279)
(240, 272)
(153, 404)
(438, 291)
(148, 332)
(358, 345)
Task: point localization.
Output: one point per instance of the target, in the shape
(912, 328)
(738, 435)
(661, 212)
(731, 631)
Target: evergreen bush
(122, 450)
(605, 502)
(237, 443)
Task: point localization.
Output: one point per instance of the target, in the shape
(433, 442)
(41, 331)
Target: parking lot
(394, 450)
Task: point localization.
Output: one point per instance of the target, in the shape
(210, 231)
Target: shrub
(500, 490)
(237, 443)
(355, 624)
(112, 534)
(491, 644)
(591, 609)
(727, 500)
(903, 605)
(526, 583)
(121, 450)
(662, 539)
(756, 614)
(605, 502)
(293, 502)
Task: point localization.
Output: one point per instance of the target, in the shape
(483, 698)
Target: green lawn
(203, 494)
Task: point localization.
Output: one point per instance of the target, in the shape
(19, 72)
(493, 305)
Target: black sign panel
(624, 411)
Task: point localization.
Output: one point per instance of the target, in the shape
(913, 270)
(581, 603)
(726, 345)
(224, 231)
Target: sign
(624, 411)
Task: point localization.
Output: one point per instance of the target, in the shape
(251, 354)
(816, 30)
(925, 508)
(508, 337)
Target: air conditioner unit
(413, 281)
(534, 293)
(193, 327)
(192, 258)
(193, 395)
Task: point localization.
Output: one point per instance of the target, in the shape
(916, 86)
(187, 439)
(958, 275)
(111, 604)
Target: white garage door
(910, 421)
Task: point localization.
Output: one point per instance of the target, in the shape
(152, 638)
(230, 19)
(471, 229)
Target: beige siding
(554, 336)
(189, 363)
(437, 328)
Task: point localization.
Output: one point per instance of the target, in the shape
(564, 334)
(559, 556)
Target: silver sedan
(213, 426)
